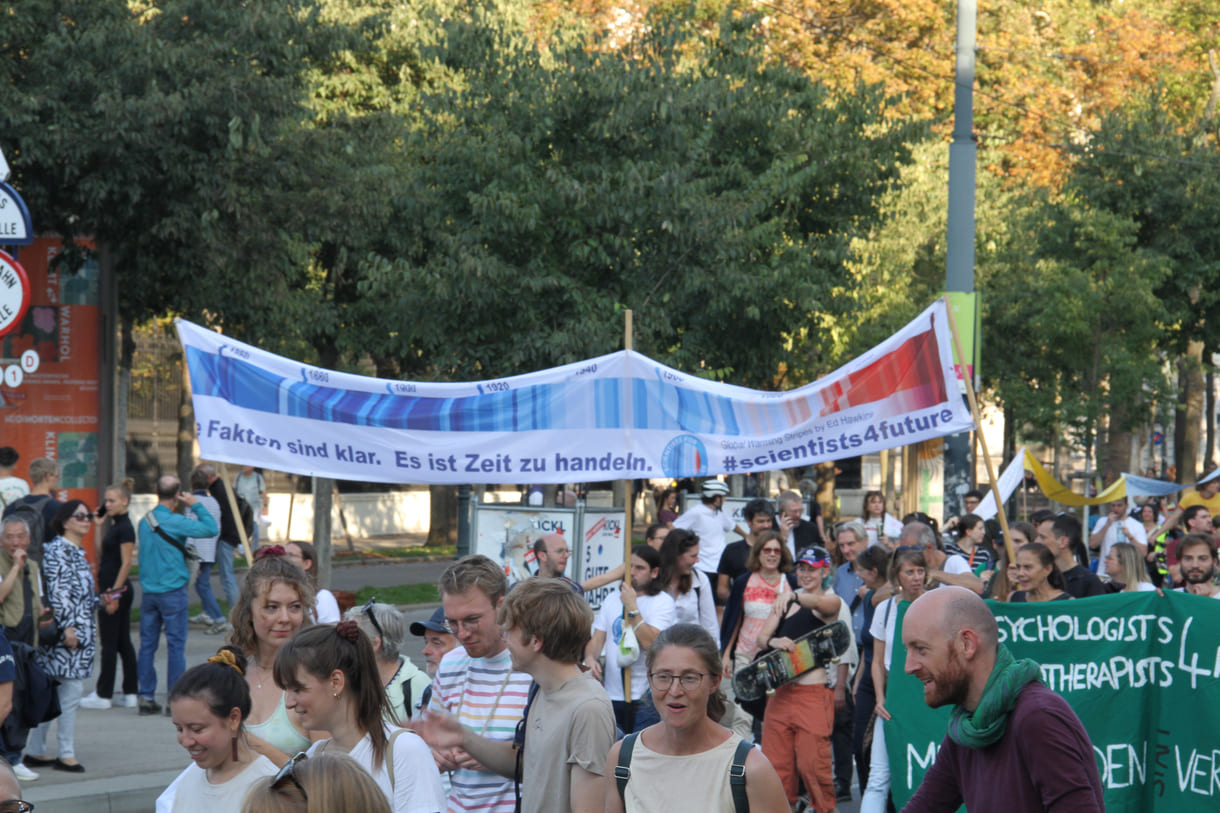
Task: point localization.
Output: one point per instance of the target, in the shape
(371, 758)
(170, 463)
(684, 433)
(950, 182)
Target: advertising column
(52, 409)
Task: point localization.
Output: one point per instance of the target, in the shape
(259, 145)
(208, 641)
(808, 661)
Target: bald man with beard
(1013, 744)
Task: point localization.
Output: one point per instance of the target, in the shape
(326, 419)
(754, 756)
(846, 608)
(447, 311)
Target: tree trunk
(186, 427)
(442, 526)
(1188, 415)
(127, 354)
(1209, 458)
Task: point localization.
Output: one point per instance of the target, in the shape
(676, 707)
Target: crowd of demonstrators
(709, 523)
(648, 610)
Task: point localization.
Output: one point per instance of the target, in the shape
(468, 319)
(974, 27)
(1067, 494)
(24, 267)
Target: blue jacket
(162, 566)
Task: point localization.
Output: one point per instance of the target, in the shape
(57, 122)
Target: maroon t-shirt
(1043, 762)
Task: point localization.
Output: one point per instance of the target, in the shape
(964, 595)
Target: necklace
(262, 670)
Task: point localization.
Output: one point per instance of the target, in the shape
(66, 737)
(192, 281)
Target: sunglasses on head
(367, 610)
(288, 774)
(16, 806)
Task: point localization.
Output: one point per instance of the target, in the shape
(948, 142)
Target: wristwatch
(633, 613)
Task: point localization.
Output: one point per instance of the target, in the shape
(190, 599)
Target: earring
(336, 694)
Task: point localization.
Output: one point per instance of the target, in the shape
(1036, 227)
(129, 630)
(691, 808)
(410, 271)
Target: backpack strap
(622, 771)
(519, 745)
(389, 756)
(737, 777)
(159, 531)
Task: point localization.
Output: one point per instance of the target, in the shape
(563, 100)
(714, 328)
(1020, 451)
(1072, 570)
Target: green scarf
(988, 722)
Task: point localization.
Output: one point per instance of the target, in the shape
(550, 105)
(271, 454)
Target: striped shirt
(488, 698)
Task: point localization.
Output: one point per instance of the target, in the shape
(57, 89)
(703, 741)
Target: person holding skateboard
(800, 715)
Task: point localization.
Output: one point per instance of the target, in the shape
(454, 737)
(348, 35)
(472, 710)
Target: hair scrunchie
(226, 658)
(349, 630)
(270, 550)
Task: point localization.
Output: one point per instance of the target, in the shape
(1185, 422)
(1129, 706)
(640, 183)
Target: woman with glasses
(404, 682)
(69, 659)
(907, 573)
(327, 783)
(209, 705)
(330, 677)
(683, 762)
(273, 605)
(801, 714)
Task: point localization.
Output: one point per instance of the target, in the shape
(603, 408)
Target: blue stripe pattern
(580, 403)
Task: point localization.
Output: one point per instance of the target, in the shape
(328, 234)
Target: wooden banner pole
(978, 422)
(627, 512)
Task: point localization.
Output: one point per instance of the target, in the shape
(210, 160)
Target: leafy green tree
(713, 193)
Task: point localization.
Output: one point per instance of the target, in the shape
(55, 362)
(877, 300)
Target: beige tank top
(695, 783)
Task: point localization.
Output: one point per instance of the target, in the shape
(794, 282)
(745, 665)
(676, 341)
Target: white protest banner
(601, 550)
(1012, 476)
(617, 416)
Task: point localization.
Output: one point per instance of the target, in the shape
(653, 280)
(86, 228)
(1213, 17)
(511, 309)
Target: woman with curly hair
(274, 604)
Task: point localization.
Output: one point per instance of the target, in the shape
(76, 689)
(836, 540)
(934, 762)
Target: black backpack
(35, 697)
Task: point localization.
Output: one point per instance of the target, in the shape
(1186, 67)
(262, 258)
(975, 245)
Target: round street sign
(14, 293)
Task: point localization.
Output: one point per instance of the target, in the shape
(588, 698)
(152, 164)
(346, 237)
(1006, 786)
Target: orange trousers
(796, 739)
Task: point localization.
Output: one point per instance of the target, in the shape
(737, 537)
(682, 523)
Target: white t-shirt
(879, 527)
(710, 525)
(327, 608)
(417, 782)
(698, 605)
(882, 629)
(956, 565)
(1133, 531)
(657, 611)
(13, 489)
(191, 792)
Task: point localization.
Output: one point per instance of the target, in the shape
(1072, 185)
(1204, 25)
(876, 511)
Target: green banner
(1142, 672)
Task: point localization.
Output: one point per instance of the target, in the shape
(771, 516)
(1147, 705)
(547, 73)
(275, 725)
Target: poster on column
(50, 399)
(507, 534)
(601, 550)
(1140, 671)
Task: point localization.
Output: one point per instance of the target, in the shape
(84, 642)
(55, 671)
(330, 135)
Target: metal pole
(959, 255)
(463, 540)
